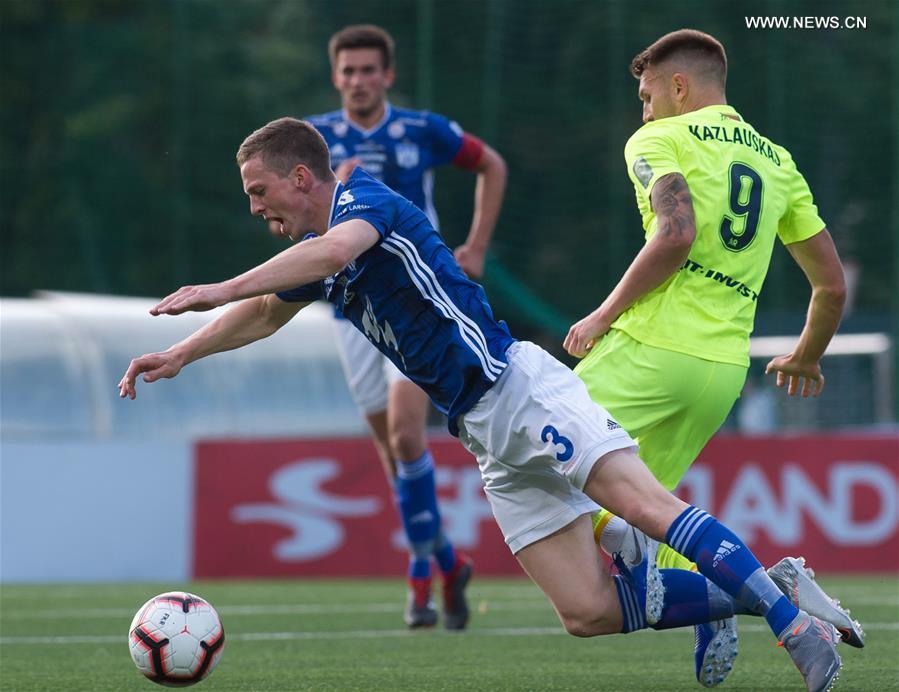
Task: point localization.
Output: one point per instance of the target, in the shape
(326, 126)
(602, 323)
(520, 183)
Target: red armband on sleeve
(469, 155)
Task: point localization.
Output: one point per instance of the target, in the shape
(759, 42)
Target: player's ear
(680, 84)
(301, 177)
(389, 76)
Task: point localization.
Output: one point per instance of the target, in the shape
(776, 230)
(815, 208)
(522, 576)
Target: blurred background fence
(119, 122)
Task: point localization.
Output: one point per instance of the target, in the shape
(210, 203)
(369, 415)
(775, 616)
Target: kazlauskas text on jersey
(738, 135)
(736, 284)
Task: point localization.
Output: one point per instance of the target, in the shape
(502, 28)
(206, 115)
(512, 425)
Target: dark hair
(696, 45)
(362, 36)
(286, 142)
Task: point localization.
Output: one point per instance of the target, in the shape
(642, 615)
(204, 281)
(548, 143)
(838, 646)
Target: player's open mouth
(276, 225)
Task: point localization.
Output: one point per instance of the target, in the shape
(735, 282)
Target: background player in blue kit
(401, 148)
(546, 452)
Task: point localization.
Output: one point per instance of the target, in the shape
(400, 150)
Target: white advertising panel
(95, 511)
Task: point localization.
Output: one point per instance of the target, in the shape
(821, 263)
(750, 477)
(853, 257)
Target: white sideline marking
(338, 609)
(273, 609)
(375, 634)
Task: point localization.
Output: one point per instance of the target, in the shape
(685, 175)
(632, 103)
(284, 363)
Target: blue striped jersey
(412, 301)
(400, 150)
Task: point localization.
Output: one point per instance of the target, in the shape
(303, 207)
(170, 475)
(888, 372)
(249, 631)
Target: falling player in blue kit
(401, 148)
(547, 453)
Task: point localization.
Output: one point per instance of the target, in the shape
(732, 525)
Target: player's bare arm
(488, 199)
(659, 259)
(820, 262)
(248, 321)
(309, 261)
(673, 206)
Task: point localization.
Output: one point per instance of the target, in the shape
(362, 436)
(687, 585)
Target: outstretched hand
(193, 299)
(154, 366)
(584, 334)
(792, 372)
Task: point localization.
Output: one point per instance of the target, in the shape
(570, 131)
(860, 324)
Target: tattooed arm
(661, 257)
(673, 205)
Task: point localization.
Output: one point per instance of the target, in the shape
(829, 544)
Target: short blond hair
(285, 143)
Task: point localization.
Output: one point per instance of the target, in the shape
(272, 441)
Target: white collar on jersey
(337, 189)
(388, 111)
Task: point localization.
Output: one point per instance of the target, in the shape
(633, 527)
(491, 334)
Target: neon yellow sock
(666, 557)
(600, 519)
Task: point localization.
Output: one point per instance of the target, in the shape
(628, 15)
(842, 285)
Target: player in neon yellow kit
(668, 350)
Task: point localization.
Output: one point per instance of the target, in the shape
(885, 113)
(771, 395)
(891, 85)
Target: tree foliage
(120, 120)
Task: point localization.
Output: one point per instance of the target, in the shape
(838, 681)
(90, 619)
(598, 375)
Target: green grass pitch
(345, 635)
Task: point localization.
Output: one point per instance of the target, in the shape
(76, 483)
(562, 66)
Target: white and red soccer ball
(176, 639)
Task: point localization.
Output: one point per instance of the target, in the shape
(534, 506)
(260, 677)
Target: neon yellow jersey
(746, 191)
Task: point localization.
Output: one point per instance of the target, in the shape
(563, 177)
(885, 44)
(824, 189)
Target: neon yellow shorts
(669, 402)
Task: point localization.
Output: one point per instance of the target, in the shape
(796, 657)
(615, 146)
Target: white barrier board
(95, 511)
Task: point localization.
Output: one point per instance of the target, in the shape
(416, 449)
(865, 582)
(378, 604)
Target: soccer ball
(176, 639)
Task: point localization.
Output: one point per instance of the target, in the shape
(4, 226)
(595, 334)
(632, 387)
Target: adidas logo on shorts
(612, 425)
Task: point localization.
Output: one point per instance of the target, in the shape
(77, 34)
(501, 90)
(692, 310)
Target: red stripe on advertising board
(322, 507)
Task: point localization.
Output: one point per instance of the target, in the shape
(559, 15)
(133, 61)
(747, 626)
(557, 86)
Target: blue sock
(691, 599)
(631, 611)
(720, 602)
(444, 553)
(417, 499)
(722, 557)
(686, 600)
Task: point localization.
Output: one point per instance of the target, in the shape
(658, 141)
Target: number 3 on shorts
(550, 434)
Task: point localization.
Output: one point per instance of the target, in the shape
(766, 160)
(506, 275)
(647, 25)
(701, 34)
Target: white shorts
(536, 435)
(369, 373)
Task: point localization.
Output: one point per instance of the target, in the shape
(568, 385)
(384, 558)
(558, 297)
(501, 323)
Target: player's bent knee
(407, 444)
(579, 629)
(589, 628)
(591, 621)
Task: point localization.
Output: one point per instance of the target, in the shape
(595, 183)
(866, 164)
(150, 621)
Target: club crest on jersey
(345, 198)
(643, 171)
(396, 129)
(338, 151)
(407, 155)
(340, 129)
